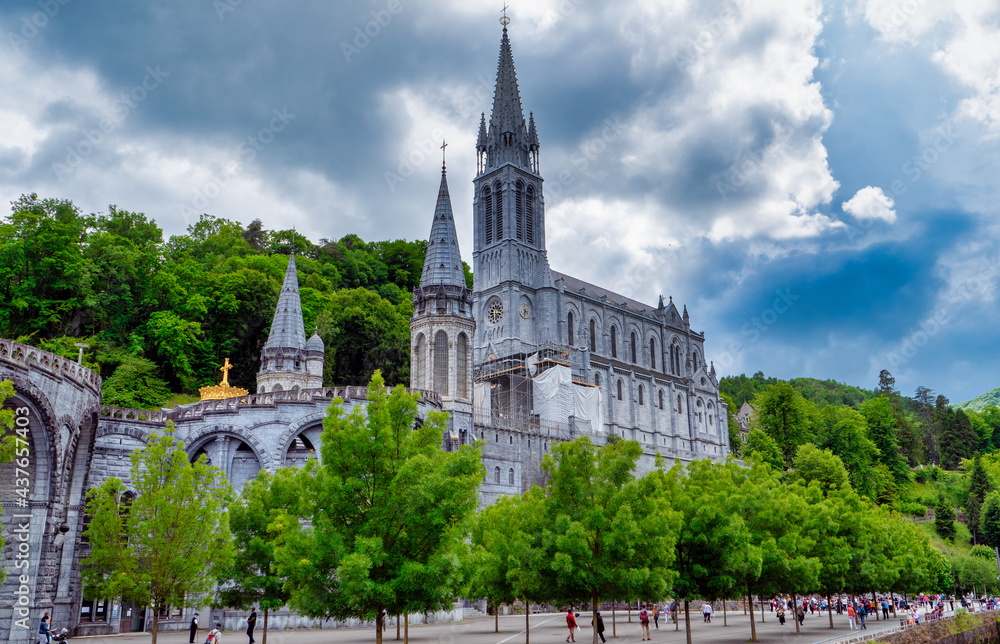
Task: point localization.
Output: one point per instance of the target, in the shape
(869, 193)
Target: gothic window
(498, 207)
(597, 379)
(652, 353)
(498, 436)
(680, 406)
(569, 328)
(519, 209)
(694, 361)
(593, 335)
(462, 363)
(632, 347)
(420, 382)
(661, 399)
(488, 204)
(441, 363)
(529, 212)
(640, 394)
(277, 388)
(619, 390)
(614, 342)
(496, 474)
(510, 476)
(511, 439)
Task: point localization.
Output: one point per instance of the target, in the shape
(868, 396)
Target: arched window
(529, 213)
(277, 388)
(569, 328)
(652, 353)
(498, 434)
(441, 363)
(488, 205)
(640, 394)
(420, 363)
(661, 399)
(496, 474)
(498, 207)
(597, 379)
(593, 335)
(519, 209)
(680, 406)
(632, 347)
(462, 362)
(511, 439)
(694, 361)
(510, 476)
(619, 390)
(614, 342)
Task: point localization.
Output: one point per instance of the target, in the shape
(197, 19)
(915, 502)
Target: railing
(231, 405)
(877, 633)
(56, 365)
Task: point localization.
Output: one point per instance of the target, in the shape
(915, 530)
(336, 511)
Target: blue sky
(816, 181)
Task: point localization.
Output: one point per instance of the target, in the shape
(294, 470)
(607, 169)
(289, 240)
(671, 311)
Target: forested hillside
(981, 401)
(160, 315)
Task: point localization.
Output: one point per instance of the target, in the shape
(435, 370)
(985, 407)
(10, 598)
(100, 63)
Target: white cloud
(870, 203)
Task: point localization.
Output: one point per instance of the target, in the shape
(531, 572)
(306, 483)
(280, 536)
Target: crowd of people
(856, 609)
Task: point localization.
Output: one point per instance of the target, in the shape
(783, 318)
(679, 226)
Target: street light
(81, 346)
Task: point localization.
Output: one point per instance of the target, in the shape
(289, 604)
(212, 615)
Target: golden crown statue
(222, 390)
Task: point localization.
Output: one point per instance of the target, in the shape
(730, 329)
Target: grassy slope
(980, 401)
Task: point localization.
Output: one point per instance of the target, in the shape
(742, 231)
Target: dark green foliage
(187, 303)
(821, 392)
(735, 444)
(784, 415)
(135, 383)
(958, 440)
(881, 423)
(944, 519)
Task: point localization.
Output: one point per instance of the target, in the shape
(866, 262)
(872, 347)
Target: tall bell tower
(513, 291)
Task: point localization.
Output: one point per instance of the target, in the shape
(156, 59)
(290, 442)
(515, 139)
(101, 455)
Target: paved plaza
(545, 629)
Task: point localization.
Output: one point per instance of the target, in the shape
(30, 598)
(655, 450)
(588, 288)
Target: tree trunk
(725, 620)
(745, 607)
(264, 638)
(406, 628)
(397, 627)
(614, 626)
(594, 602)
(829, 608)
(795, 613)
(156, 623)
(496, 619)
(687, 620)
(378, 625)
(753, 625)
(875, 605)
(527, 622)
(761, 611)
(630, 612)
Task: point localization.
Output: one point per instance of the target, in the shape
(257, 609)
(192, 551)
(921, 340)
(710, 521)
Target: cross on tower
(505, 20)
(444, 144)
(225, 371)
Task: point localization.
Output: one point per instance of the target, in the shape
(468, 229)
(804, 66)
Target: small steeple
(687, 319)
(287, 329)
(443, 262)
(507, 139)
(532, 133)
(660, 306)
(481, 141)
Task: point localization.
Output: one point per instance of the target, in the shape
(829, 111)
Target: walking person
(194, 628)
(215, 635)
(44, 636)
(708, 612)
(656, 616)
(571, 624)
(251, 623)
(781, 615)
(673, 610)
(851, 616)
(801, 614)
(885, 609)
(600, 625)
(862, 614)
(644, 623)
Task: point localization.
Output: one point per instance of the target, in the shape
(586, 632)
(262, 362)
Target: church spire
(508, 140)
(287, 329)
(443, 262)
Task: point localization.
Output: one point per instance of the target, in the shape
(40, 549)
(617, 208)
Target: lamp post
(81, 346)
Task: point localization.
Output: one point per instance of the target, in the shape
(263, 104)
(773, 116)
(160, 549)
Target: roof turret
(287, 329)
(443, 262)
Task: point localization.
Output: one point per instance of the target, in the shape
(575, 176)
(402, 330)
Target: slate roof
(443, 262)
(287, 329)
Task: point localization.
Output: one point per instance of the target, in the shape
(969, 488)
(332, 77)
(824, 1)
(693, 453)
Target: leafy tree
(989, 522)
(785, 416)
(958, 440)
(165, 547)
(610, 532)
(251, 580)
(844, 432)
(979, 487)
(735, 443)
(379, 520)
(8, 444)
(135, 383)
(835, 530)
(983, 552)
(823, 466)
(761, 446)
(508, 560)
(944, 518)
(886, 384)
(713, 549)
(881, 429)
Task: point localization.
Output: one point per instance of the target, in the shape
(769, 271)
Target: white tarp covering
(553, 394)
(587, 406)
(482, 399)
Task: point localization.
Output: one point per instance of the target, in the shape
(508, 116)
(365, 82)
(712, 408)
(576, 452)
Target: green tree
(380, 519)
(714, 549)
(610, 533)
(9, 443)
(165, 547)
(508, 560)
(882, 431)
(844, 432)
(979, 487)
(823, 466)
(944, 518)
(989, 522)
(785, 416)
(135, 383)
(958, 440)
(761, 446)
(251, 580)
(735, 443)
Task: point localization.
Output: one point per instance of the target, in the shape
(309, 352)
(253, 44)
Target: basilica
(526, 358)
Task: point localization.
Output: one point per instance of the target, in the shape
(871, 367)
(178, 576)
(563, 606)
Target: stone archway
(232, 452)
(301, 439)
